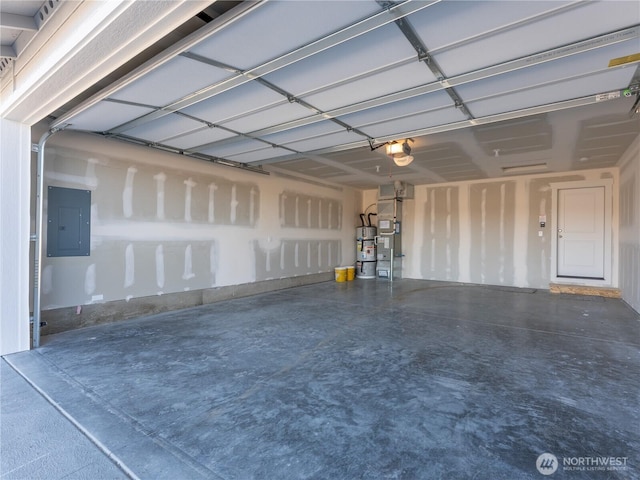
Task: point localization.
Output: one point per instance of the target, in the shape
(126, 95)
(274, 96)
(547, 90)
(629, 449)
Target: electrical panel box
(396, 190)
(68, 222)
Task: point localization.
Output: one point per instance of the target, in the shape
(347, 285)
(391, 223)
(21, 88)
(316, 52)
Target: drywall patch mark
(439, 259)
(283, 199)
(211, 217)
(189, 186)
(448, 234)
(188, 264)
(521, 227)
(143, 204)
(90, 279)
(320, 212)
(491, 224)
(95, 220)
(127, 193)
(432, 202)
(483, 234)
(268, 261)
(281, 259)
(464, 239)
(160, 179)
(252, 206)
(502, 239)
(129, 266)
(76, 181)
(234, 204)
(213, 264)
(160, 266)
(90, 178)
(46, 280)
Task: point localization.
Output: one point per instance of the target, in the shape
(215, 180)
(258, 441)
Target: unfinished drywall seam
(464, 252)
(521, 227)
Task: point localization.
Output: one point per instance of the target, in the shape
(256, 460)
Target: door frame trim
(607, 183)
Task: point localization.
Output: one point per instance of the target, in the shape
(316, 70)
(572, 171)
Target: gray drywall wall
(486, 232)
(441, 245)
(492, 214)
(162, 223)
(630, 226)
(539, 247)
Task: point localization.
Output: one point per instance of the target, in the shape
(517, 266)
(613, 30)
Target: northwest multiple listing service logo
(548, 463)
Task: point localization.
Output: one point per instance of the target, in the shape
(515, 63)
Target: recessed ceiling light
(583, 159)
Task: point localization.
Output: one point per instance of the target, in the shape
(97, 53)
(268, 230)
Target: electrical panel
(68, 222)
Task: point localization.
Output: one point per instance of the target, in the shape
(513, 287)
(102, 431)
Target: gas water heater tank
(366, 252)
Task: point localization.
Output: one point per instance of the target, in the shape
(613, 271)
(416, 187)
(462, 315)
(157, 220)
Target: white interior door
(581, 232)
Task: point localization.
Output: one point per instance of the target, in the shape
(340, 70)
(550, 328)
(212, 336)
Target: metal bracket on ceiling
(635, 108)
(293, 99)
(634, 89)
(170, 149)
(424, 56)
(375, 147)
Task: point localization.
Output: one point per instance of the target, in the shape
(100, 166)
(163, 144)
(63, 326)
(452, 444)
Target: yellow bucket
(351, 273)
(341, 274)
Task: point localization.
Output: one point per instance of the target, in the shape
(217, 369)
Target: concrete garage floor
(366, 379)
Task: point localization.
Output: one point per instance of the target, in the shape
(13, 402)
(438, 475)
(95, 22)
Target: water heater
(366, 252)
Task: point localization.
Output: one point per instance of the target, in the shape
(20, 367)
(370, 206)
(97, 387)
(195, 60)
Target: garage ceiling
(315, 89)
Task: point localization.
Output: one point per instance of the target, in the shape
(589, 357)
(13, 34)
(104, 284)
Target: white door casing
(581, 232)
